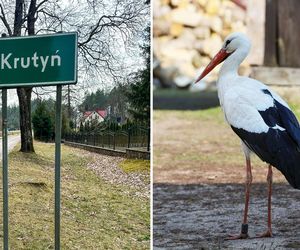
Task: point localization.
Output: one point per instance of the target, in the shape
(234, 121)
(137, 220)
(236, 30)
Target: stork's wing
(257, 110)
(276, 147)
(287, 118)
(269, 128)
(242, 106)
(281, 115)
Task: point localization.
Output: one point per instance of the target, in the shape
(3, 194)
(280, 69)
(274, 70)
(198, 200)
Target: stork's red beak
(218, 58)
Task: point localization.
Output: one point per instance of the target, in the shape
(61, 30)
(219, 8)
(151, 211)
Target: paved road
(13, 140)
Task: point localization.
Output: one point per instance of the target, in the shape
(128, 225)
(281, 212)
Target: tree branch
(4, 20)
(41, 3)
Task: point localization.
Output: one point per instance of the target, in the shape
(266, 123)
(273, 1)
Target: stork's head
(233, 42)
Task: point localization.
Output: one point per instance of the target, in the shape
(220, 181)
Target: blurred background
(198, 163)
(188, 33)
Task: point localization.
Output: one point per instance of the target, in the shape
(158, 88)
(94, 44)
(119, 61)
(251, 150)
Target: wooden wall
(282, 33)
(289, 33)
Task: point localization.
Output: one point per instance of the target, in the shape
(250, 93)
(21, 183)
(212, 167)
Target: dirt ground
(199, 191)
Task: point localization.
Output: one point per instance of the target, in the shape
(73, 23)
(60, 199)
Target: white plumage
(241, 97)
(260, 117)
(241, 102)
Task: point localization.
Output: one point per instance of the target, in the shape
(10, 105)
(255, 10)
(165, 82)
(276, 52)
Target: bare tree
(103, 26)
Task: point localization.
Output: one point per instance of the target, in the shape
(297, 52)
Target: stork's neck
(231, 64)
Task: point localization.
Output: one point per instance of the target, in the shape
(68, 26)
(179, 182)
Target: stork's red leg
(268, 233)
(244, 231)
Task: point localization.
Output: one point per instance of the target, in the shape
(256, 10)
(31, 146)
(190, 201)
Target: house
(97, 115)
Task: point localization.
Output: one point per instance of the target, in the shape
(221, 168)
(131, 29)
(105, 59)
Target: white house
(96, 115)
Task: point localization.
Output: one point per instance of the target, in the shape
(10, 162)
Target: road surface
(13, 140)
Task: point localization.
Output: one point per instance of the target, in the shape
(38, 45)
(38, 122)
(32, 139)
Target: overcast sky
(131, 62)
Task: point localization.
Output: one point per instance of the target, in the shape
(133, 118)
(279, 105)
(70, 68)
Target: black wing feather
(276, 148)
(280, 148)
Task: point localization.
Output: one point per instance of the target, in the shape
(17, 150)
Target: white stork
(261, 118)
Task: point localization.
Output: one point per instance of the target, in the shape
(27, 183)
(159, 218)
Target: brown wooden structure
(282, 33)
(273, 27)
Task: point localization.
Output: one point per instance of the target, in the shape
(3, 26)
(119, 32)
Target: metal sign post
(57, 165)
(33, 61)
(4, 169)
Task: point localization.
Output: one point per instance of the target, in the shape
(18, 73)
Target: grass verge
(130, 165)
(94, 214)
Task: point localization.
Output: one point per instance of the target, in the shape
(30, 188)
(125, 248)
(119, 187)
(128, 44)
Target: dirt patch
(190, 147)
(198, 190)
(202, 216)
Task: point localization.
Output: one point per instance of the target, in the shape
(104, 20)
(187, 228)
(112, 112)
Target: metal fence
(134, 137)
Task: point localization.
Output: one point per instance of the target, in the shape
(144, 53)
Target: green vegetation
(13, 115)
(95, 214)
(296, 109)
(93, 101)
(130, 165)
(215, 114)
(210, 114)
(42, 123)
(139, 89)
(137, 166)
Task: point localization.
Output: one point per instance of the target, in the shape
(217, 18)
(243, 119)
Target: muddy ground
(199, 191)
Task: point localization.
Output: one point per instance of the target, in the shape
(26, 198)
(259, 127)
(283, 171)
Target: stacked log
(188, 33)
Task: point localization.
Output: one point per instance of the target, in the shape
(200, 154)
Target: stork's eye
(227, 42)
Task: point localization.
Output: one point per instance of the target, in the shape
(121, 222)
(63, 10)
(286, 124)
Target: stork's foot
(237, 237)
(266, 234)
(243, 234)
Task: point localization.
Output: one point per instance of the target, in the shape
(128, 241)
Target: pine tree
(139, 89)
(43, 125)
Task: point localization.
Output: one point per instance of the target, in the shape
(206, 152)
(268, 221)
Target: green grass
(137, 166)
(215, 114)
(94, 214)
(130, 165)
(296, 109)
(213, 117)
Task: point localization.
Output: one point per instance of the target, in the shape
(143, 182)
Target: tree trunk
(24, 95)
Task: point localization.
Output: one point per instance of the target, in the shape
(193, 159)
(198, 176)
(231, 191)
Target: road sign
(38, 60)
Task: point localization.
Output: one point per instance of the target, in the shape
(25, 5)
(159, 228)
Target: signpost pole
(57, 165)
(61, 68)
(5, 169)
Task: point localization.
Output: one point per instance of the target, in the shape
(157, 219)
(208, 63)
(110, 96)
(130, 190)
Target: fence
(134, 137)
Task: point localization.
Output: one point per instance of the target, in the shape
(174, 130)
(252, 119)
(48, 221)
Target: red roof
(87, 113)
(101, 112)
